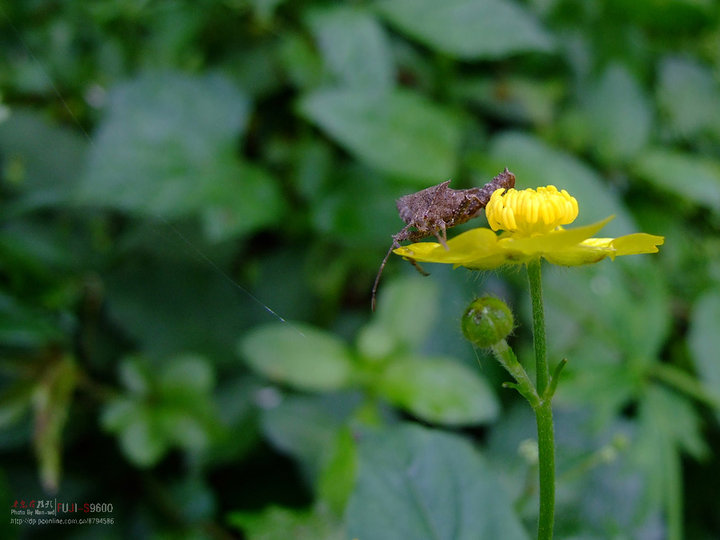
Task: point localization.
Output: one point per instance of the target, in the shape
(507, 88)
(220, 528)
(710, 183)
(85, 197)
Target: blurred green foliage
(195, 197)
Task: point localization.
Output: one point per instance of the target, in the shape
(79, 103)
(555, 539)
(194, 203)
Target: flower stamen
(529, 212)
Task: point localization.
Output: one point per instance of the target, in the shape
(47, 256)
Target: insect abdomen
(505, 180)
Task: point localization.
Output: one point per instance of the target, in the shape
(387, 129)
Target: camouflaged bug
(436, 209)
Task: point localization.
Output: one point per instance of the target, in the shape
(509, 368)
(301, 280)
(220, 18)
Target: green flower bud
(487, 321)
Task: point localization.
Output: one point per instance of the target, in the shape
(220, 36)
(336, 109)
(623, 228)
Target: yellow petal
(634, 244)
(593, 250)
(482, 249)
(461, 249)
(578, 255)
(553, 241)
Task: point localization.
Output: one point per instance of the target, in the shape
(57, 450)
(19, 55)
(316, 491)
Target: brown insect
(434, 210)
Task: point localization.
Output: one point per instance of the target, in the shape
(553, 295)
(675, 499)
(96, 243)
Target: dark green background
(196, 195)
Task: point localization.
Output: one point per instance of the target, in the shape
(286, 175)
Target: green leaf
(134, 373)
(611, 345)
(691, 177)
(601, 382)
(179, 290)
(354, 47)
(299, 60)
(307, 428)
(187, 374)
(618, 116)
(235, 399)
(599, 492)
(658, 444)
(359, 209)
(196, 501)
(686, 428)
(264, 10)
(38, 252)
(39, 160)
(407, 308)
(275, 523)
(164, 408)
(688, 94)
(15, 401)
(440, 391)
(141, 439)
(337, 479)
(52, 400)
(469, 29)
(704, 340)
(255, 70)
(376, 342)
(398, 132)
(148, 429)
(182, 428)
(675, 20)
(630, 305)
(298, 355)
(24, 327)
(537, 164)
(513, 98)
(167, 148)
(245, 199)
(119, 413)
(422, 484)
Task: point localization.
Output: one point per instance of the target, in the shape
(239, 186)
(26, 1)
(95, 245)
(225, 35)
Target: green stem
(546, 462)
(543, 412)
(541, 365)
(505, 355)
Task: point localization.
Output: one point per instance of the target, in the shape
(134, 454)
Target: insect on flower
(436, 209)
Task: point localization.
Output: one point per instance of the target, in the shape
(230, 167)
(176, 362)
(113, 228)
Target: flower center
(529, 212)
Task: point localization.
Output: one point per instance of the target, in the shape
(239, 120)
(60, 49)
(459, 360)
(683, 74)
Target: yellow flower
(531, 221)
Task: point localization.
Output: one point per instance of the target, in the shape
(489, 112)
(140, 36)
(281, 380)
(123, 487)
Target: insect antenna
(382, 267)
(377, 278)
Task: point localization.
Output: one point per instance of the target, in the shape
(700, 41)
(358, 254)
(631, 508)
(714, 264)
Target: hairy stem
(543, 412)
(541, 365)
(546, 461)
(505, 355)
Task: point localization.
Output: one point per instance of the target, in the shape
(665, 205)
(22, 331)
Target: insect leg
(418, 267)
(442, 238)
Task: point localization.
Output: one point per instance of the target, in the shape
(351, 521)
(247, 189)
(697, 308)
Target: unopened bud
(487, 321)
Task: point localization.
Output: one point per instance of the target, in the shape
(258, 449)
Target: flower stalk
(507, 359)
(543, 412)
(538, 314)
(546, 462)
(530, 226)
(486, 323)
